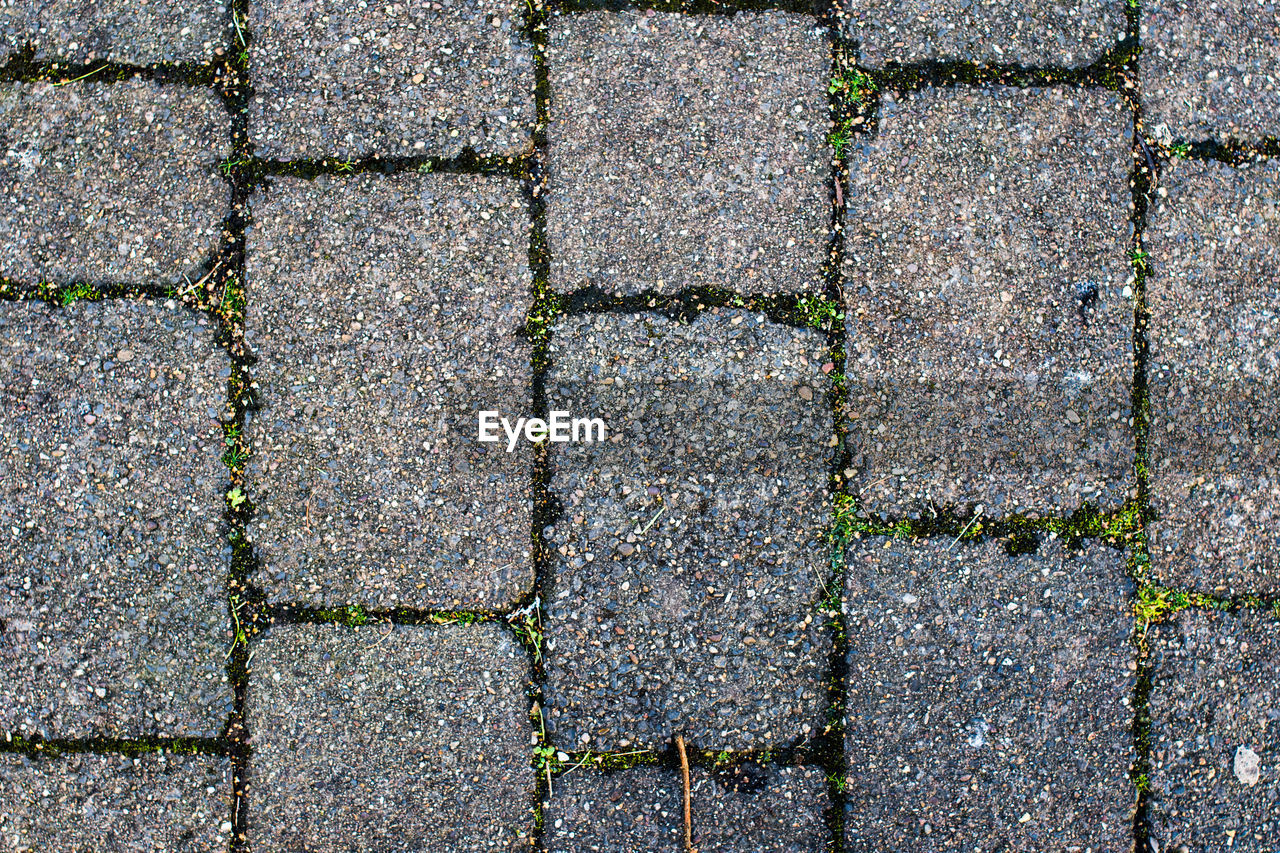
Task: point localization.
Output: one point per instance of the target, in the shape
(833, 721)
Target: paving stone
(1211, 69)
(1073, 34)
(688, 151)
(767, 809)
(689, 553)
(116, 30)
(988, 697)
(988, 302)
(384, 312)
(1214, 242)
(78, 178)
(337, 79)
(154, 803)
(406, 738)
(113, 616)
(1215, 696)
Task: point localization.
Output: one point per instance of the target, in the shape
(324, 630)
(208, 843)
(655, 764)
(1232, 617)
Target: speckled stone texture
(689, 553)
(1213, 236)
(987, 291)
(339, 79)
(117, 30)
(113, 618)
(406, 738)
(384, 312)
(1215, 692)
(154, 803)
(1211, 68)
(989, 698)
(79, 168)
(764, 809)
(688, 151)
(993, 32)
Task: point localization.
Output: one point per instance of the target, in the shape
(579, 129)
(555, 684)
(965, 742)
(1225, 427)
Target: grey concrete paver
(116, 30)
(988, 302)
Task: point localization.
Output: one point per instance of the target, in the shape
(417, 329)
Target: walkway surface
(937, 346)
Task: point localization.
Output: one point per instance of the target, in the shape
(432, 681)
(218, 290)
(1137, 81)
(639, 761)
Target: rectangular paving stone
(337, 79)
(390, 738)
(152, 803)
(989, 697)
(79, 173)
(1215, 703)
(116, 30)
(1211, 69)
(113, 614)
(762, 808)
(688, 151)
(1071, 34)
(384, 312)
(689, 551)
(1213, 237)
(988, 302)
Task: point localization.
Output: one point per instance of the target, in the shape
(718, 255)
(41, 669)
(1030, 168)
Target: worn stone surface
(688, 151)
(113, 616)
(1213, 236)
(384, 312)
(988, 302)
(406, 738)
(79, 170)
(1215, 691)
(689, 553)
(117, 30)
(336, 79)
(767, 809)
(988, 697)
(1211, 69)
(154, 803)
(1071, 34)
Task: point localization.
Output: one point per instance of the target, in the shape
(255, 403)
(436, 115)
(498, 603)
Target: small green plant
(351, 615)
(527, 623)
(1180, 149)
(236, 498)
(343, 167)
(236, 455)
(232, 302)
(819, 312)
(229, 165)
(854, 86)
(841, 137)
(1138, 258)
(75, 293)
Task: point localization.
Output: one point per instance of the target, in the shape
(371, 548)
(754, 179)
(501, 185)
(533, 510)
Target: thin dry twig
(688, 795)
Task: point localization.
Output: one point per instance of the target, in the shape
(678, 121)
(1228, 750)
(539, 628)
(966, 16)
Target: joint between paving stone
(38, 747)
(813, 8)
(23, 67)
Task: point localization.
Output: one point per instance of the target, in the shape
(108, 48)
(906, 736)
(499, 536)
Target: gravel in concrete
(390, 739)
(1071, 34)
(116, 30)
(113, 615)
(338, 79)
(765, 809)
(1213, 236)
(688, 151)
(79, 170)
(384, 312)
(1215, 705)
(689, 552)
(1211, 69)
(154, 803)
(988, 302)
(989, 698)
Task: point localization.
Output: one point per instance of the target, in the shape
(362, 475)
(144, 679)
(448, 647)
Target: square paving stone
(989, 697)
(1214, 242)
(689, 552)
(988, 302)
(384, 312)
(390, 739)
(688, 151)
(79, 172)
(1071, 34)
(338, 79)
(153, 803)
(765, 809)
(113, 616)
(1215, 732)
(1211, 69)
(116, 30)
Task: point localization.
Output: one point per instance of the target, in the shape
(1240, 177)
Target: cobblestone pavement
(935, 345)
